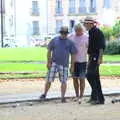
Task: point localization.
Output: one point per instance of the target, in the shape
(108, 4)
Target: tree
(116, 29)
(107, 32)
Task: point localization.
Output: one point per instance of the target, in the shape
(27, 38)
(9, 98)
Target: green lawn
(110, 70)
(112, 58)
(35, 54)
(23, 54)
(12, 60)
(35, 71)
(12, 67)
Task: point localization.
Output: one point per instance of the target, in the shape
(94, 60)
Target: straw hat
(89, 19)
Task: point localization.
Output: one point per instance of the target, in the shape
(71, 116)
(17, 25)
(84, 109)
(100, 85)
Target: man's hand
(71, 69)
(73, 57)
(100, 60)
(49, 62)
(49, 65)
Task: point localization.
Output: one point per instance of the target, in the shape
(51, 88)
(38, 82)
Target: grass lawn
(35, 54)
(110, 70)
(12, 67)
(37, 70)
(23, 54)
(11, 60)
(112, 58)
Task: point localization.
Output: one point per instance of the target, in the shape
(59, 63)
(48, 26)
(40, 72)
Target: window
(58, 25)
(11, 3)
(106, 4)
(35, 8)
(71, 6)
(82, 6)
(35, 27)
(58, 6)
(2, 7)
(92, 5)
(72, 23)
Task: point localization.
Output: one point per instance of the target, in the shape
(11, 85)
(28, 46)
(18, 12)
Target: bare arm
(73, 56)
(49, 59)
(100, 58)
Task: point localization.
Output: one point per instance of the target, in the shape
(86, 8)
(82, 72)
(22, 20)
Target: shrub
(113, 47)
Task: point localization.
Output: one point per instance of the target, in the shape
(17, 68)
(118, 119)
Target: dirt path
(36, 85)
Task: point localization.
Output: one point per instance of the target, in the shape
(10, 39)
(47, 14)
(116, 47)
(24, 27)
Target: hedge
(113, 47)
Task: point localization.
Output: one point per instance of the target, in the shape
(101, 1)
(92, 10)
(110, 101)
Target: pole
(47, 16)
(15, 20)
(2, 45)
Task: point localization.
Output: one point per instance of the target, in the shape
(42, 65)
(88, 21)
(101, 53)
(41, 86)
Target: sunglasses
(65, 33)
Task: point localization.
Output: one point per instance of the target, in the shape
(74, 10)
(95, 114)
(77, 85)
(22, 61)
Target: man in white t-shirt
(81, 42)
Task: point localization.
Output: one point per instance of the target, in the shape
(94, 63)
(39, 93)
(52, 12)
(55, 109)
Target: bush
(113, 47)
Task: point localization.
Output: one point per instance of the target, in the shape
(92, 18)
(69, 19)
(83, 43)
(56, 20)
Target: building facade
(9, 37)
(2, 21)
(68, 12)
(28, 23)
(25, 22)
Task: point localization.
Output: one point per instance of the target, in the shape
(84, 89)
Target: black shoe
(43, 97)
(96, 102)
(63, 100)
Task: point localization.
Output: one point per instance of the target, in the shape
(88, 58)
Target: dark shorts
(79, 70)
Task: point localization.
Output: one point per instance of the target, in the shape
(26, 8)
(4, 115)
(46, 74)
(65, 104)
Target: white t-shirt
(81, 43)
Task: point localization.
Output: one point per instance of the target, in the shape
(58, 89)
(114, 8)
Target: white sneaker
(80, 100)
(75, 99)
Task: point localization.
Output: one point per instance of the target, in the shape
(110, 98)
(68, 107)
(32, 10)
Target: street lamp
(1, 7)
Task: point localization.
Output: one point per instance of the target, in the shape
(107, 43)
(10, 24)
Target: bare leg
(82, 87)
(47, 86)
(76, 86)
(63, 89)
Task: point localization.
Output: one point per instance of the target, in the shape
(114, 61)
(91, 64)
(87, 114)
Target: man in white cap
(95, 51)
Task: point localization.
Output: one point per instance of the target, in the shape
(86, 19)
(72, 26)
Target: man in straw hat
(95, 52)
(59, 50)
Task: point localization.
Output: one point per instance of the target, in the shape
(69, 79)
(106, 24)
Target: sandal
(43, 97)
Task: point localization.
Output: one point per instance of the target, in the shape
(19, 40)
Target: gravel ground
(55, 110)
